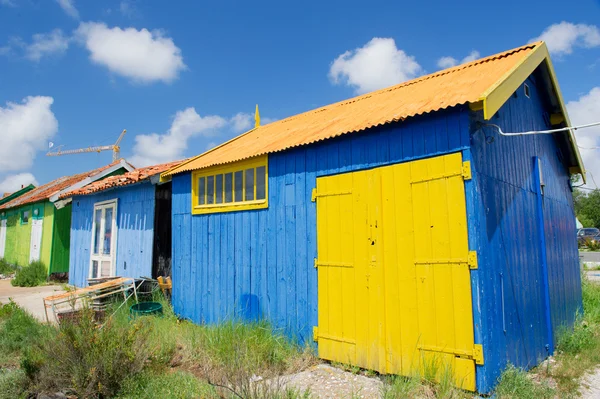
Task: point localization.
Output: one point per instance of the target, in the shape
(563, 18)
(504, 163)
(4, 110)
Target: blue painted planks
(507, 237)
(268, 255)
(135, 232)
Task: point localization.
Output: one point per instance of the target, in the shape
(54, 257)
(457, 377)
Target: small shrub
(6, 268)
(516, 384)
(30, 276)
(592, 245)
(93, 361)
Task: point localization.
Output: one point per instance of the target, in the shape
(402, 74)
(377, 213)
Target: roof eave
(90, 179)
(497, 95)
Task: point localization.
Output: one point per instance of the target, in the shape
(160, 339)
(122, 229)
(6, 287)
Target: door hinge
(478, 354)
(316, 264)
(473, 260)
(466, 170)
(315, 333)
(313, 196)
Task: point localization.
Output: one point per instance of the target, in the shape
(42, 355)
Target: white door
(2, 237)
(36, 239)
(104, 239)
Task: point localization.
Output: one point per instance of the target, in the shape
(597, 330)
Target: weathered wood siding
(135, 230)
(503, 227)
(259, 264)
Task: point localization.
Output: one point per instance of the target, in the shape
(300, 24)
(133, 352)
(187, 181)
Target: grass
(31, 276)
(517, 384)
(147, 357)
(577, 352)
(6, 268)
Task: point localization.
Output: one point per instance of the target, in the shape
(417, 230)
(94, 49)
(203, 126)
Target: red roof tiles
(47, 190)
(126, 179)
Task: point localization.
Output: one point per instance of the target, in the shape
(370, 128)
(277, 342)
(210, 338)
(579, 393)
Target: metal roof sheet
(126, 179)
(468, 83)
(47, 190)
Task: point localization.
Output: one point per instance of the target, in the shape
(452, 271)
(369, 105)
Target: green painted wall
(61, 240)
(18, 236)
(47, 230)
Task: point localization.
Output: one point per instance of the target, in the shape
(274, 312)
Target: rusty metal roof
(126, 179)
(478, 82)
(47, 190)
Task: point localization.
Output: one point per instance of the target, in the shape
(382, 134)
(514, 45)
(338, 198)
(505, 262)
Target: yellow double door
(394, 291)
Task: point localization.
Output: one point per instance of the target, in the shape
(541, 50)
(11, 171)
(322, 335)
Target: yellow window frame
(241, 166)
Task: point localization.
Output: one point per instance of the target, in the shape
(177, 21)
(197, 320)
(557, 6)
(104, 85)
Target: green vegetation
(587, 207)
(30, 276)
(6, 268)
(517, 384)
(145, 357)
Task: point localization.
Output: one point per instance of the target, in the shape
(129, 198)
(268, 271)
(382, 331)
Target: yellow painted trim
(256, 162)
(476, 106)
(495, 96)
(473, 260)
(478, 354)
(466, 170)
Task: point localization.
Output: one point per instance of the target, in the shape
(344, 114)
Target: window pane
(105, 268)
(219, 189)
(229, 187)
(94, 269)
(210, 190)
(249, 185)
(239, 184)
(260, 182)
(97, 220)
(202, 191)
(25, 218)
(107, 230)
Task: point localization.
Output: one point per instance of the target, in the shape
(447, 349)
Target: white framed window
(103, 253)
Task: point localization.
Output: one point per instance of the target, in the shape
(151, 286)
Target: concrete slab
(29, 298)
(589, 256)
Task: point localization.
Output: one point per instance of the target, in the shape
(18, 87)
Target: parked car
(588, 233)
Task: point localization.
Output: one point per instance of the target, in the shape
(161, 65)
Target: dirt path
(590, 385)
(29, 298)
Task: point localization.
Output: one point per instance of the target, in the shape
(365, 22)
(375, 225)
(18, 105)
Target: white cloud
(563, 37)
(449, 62)
(13, 183)
(156, 148)
(377, 64)
(141, 55)
(127, 8)
(9, 3)
(54, 42)
(584, 110)
(242, 122)
(68, 7)
(24, 130)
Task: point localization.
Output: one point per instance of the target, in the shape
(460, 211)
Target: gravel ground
(326, 382)
(590, 385)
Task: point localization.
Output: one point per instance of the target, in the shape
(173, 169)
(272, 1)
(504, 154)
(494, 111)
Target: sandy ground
(29, 298)
(327, 382)
(590, 385)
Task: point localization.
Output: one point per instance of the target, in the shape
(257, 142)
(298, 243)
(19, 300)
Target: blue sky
(183, 76)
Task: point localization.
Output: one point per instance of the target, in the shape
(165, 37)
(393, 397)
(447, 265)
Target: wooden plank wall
(135, 231)
(259, 264)
(504, 231)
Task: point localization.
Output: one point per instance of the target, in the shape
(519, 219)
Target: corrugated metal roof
(463, 84)
(47, 190)
(126, 179)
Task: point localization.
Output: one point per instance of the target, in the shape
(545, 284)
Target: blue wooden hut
(397, 229)
(120, 226)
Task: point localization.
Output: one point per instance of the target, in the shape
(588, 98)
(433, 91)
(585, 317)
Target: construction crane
(115, 149)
